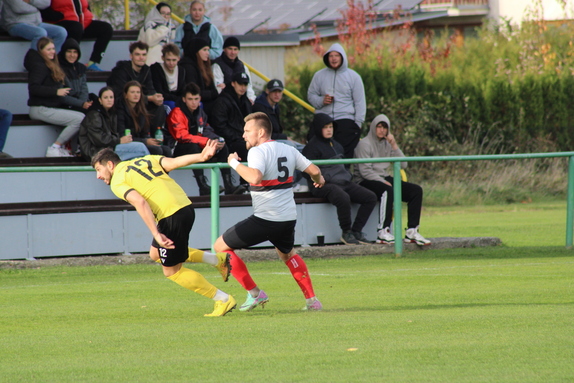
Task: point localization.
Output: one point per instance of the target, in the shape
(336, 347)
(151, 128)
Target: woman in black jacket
(198, 70)
(99, 130)
(133, 116)
(47, 91)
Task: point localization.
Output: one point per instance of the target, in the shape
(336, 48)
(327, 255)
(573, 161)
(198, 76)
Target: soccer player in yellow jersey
(167, 212)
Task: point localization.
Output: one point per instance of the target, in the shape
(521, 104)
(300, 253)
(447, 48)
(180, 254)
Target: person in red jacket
(75, 16)
(187, 123)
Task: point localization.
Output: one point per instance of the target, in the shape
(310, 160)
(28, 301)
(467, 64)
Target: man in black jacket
(268, 103)
(229, 63)
(168, 78)
(229, 110)
(135, 69)
(339, 189)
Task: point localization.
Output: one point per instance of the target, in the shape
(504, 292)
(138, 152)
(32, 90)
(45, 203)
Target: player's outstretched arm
(170, 164)
(315, 173)
(144, 210)
(251, 175)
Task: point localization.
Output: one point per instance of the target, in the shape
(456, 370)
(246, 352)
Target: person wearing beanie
(197, 66)
(198, 25)
(228, 63)
(339, 189)
(378, 143)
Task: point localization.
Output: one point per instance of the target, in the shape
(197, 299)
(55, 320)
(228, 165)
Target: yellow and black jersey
(146, 176)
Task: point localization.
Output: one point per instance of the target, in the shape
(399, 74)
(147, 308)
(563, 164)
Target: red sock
(298, 269)
(240, 272)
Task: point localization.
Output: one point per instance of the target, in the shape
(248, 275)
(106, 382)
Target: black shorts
(253, 230)
(176, 227)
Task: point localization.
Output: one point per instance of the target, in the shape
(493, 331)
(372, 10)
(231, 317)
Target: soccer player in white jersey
(269, 171)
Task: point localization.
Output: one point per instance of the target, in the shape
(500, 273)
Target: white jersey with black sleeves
(273, 197)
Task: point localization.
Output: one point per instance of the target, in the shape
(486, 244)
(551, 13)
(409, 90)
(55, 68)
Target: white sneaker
(384, 236)
(300, 188)
(57, 152)
(413, 236)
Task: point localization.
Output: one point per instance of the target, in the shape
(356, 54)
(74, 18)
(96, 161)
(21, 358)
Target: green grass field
(472, 315)
(520, 224)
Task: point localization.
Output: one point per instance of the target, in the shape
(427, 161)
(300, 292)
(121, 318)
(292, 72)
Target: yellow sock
(194, 281)
(195, 255)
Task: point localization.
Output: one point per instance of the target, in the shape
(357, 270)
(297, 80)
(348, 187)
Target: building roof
(241, 17)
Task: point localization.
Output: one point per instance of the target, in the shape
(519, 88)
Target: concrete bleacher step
(15, 84)
(13, 76)
(43, 161)
(14, 49)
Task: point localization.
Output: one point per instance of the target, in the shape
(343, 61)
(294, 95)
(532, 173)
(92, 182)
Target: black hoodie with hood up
(75, 76)
(320, 148)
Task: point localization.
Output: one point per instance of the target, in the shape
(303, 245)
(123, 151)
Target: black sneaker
(349, 238)
(360, 236)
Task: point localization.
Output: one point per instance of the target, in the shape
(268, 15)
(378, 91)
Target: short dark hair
(261, 120)
(138, 45)
(191, 88)
(384, 123)
(170, 48)
(104, 89)
(104, 156)
(159, 6)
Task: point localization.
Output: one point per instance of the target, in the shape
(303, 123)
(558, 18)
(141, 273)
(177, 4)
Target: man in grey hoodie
(338, 91)
(379, 142)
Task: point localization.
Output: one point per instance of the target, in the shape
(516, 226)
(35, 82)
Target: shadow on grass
(498, 252)
(279, 311)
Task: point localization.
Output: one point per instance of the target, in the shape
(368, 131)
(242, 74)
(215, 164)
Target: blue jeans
(131, 150)
(35, 33)
(5, 121)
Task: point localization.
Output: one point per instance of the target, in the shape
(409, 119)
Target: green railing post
(214, 205)
(398, 208)
(570, 203)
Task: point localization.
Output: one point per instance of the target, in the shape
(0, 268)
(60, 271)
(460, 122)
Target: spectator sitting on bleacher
(135, 69)
(5, 121)
(47, 95)
(133, 115)
(157, 31)
(228, 63)
(188, 125)
(268, 103)
(168, 77)
(198, 70)
(22, 18)
(339, 189)
(100, 130)
(198, 25)
(75, 16)
(78, 97)
(229, 111)
(380, 143)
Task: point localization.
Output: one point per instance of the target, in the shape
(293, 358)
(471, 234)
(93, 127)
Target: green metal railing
(397, 225)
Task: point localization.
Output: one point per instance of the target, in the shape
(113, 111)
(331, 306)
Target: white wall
(519, 10)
